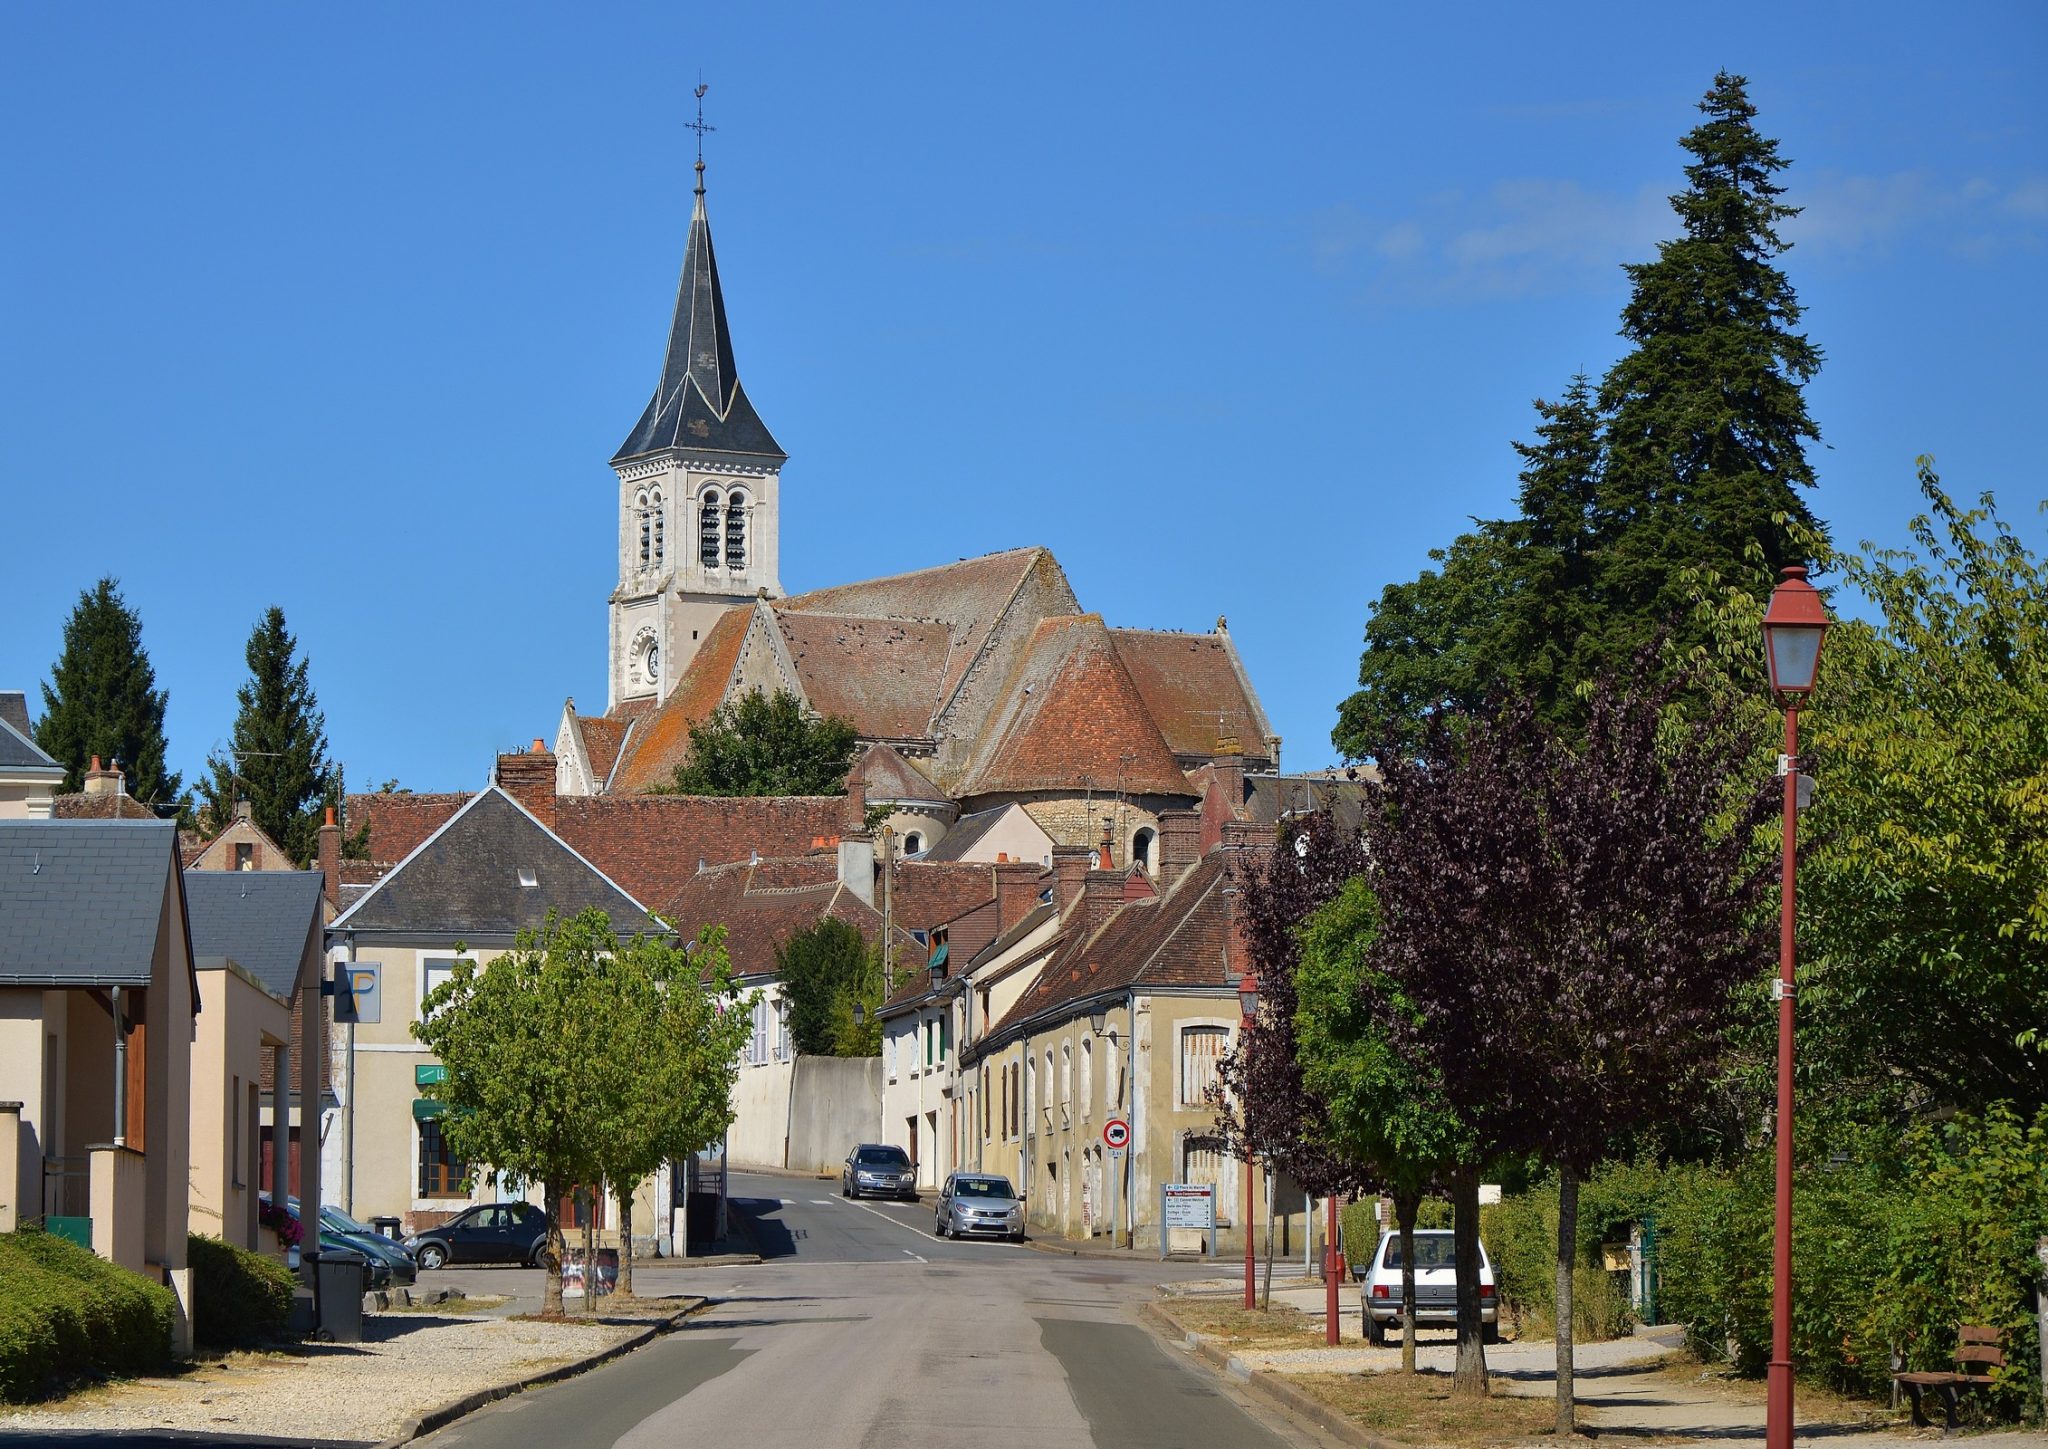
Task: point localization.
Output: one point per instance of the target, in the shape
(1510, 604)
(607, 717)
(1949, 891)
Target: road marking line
(890, 1219)
(821, 1202)
(920, 1258)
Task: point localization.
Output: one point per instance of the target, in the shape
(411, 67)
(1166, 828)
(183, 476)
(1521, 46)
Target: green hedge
(239, 1299)
(66, 1315)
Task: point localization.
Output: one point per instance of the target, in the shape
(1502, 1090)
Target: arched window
(736, 530)
(1087, 1092)
(913, 843)
(646, 525)
(1141, 849)
(707, 530)
(660, 526)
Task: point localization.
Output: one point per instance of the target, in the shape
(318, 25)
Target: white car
(1436, 1286)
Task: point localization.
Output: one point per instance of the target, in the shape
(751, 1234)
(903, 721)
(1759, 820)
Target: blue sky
(345, 309)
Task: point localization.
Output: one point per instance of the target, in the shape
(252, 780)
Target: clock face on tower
(650, 661)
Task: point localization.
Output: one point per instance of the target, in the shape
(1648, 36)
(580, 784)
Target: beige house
(244, 845)
(29, 778)
(257, 944)
(97, 1000)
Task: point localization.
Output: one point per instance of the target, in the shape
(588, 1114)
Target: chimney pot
(328, 853)
(539, 748)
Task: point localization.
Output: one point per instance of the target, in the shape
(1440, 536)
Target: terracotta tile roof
(398, 823)
(1070, 709)
(889, 776)
(1179, 939)
(603, 737)
(1194, 688)
(969, 597)
(651, 844)
(115, 805)
(929, 894)
(761, 905)
(882, 675)
(662, 740)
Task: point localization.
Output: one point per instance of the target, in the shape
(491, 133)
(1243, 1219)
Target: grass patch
(1421, 1409)
(1235, 1327)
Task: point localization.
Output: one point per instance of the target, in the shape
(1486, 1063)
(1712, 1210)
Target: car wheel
(1490, 1333)
(431, 1255)
(533, 1259)
(938, 1227)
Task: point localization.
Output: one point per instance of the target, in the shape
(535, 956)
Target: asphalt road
(862, 1328)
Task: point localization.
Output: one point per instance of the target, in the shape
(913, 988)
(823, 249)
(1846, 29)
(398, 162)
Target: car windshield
(982, 1187)
(1432, 1250)
(340, 1221)
(882, 1157)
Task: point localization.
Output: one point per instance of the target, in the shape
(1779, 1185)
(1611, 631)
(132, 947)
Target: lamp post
(1795, 623)
(1248, 1006)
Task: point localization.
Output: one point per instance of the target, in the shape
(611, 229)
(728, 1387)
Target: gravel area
(407, 1364)
(1534, 1355)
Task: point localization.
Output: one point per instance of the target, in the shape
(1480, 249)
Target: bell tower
(699, 489)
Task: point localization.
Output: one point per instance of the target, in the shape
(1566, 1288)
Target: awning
(426, 1109)
(938, 957)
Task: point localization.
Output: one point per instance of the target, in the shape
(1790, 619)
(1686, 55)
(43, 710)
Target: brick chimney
(1245, 835)
(1070, 865)
(1018, 883)
(1102, 893)
(1107, 853)
(529, 778)
(855, 819)
(1229, 767)
(329, 856)
(1180, 843)
(103, 782)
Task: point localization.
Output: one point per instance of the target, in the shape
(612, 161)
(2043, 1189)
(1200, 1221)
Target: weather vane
(700, 127)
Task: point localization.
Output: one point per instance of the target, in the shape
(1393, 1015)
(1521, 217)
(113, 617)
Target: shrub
(239, 1299)
(67, 1315)
(1520, 1233)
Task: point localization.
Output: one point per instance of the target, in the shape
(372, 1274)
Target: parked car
(875, 1169)
(978, 1204)
(384, 1262)
(1436, 1285)
(498, 1232)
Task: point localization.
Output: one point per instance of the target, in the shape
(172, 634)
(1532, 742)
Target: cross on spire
(700, 127)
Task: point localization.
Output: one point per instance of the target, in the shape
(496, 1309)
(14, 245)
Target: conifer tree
(102, 699)
(277, 757)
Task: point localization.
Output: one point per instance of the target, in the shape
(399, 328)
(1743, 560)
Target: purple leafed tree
(1569, 921)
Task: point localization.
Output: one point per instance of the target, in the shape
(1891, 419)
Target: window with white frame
(433, 971)
(1087, 1084)
(762, 1037)
(1201, 1050)
(782, 1031)
(893, 1039)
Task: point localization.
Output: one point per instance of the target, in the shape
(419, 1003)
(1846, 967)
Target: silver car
(1436, 1286)
(980, 1205)
(875, 1169)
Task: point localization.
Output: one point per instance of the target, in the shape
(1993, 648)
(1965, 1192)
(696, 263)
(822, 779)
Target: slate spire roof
(699, 403)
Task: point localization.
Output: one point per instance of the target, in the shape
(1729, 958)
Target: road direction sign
(1116, 1134)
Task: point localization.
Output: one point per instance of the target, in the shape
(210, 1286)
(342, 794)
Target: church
(974, 686)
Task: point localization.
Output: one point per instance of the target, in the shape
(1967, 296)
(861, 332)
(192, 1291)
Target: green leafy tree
(760, 744)
(277, 755)
(673, 1050)
(543, 1048)
(825, 968)
(102, 699)
(1688, 458)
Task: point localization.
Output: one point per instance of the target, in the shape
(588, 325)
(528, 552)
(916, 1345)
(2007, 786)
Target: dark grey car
(875, 1169)
(980, 1205)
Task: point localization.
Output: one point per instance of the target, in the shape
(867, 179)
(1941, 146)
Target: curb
(1271, 1387)
(448, 1413)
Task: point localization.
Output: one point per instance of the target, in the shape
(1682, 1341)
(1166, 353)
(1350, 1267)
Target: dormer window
(736, 530)
(708, 523)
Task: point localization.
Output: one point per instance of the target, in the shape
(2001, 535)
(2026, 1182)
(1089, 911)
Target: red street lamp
(1795, 624)
(1248, 1006)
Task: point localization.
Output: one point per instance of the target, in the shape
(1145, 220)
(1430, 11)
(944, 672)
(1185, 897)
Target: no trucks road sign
(1116, 1134)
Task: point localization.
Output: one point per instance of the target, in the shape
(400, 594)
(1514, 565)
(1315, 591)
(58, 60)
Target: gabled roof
(81, 901)
(1071, 710)
(14, 709)
(890, 777)
(107, 805)
(965, 834)
(651, 844)
(399, 822)
(881, 675)
(603, 739)
(20, 754)
(468, 880)
(1179, 939)
(764, 903)
(262, 920)
(1195, 688)
(699, 404)
(661, 739)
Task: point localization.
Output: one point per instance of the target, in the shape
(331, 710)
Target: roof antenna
(700, 128)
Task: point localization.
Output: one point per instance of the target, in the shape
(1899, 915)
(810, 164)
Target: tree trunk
(551, 1255)
(626, 1242)
(1470, 1376)
(590, 1252)
(1406, 1204)
(1567, 1258)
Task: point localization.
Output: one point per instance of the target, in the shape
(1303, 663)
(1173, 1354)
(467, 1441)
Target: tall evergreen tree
(277, 758)
(102, 699)
(1706, 420)
(1687, 457)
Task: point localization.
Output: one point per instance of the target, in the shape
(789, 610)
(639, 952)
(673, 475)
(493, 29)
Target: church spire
(699, 403)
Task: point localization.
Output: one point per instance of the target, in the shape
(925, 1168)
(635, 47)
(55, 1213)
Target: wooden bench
(1976, 1344)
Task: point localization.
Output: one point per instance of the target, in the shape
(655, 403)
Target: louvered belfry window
(707, 532)
(660, 526)
(736, 530)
